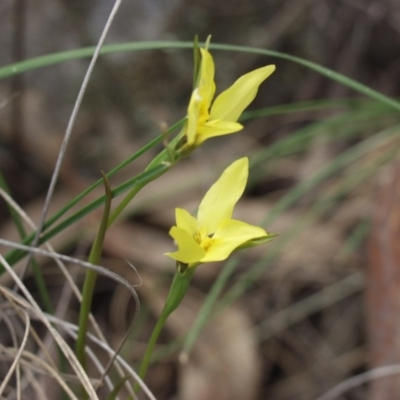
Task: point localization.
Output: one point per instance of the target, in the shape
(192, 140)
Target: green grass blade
(314, 105)
(56, 58)
(15, 255)
(115, 170)
(344, 126)
(207, 308)
(340, 162)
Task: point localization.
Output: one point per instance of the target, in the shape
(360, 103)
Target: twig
(68, 132)
(358, 380)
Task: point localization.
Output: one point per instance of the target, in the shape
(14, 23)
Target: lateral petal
(216, 128)
(186, 221)
(230, 235)
(189, 251)
(230, 104)
(200, 100)
(206, 83)
(193, 117)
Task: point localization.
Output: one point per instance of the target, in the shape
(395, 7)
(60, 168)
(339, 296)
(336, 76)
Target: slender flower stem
(151, 344)
(177, 291)
(90, 278)
(126, 200)
(168, 157)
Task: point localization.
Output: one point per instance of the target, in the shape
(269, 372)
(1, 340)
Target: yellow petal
(216, 128)
(206, 79)
(189, 251)
(230, 235)
(193, 117)
(218, 203)
(200, 100)
(186, 221)
(230, 104)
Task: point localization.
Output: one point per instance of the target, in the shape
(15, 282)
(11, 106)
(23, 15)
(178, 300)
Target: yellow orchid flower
(220, 118)
(214, 235)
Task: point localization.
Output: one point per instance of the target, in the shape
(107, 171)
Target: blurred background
(300, 315)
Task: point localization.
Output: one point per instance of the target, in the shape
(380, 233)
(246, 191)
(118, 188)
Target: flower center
(204, 240)
(206, 243)
(197, 237)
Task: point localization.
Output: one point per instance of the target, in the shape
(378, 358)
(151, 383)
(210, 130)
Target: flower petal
(216, 128)
(186, 221)
(200, 100)
(218, 203)
(193, 117)
(206, 79)
(230, 235)
(189, 251)
(230, 104)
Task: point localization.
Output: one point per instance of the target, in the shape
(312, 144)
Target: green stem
(166, 157)
(177, 291)
(151, 344)
(126, 200)
(15, 255)
(90, 278)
